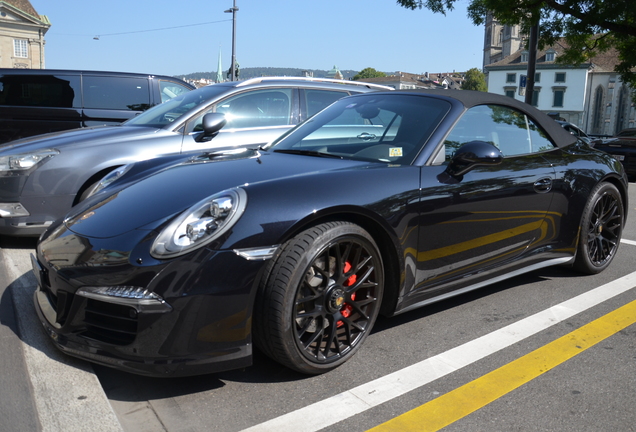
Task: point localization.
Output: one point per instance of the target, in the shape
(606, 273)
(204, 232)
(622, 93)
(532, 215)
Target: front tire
(601, 229)
(320, 298)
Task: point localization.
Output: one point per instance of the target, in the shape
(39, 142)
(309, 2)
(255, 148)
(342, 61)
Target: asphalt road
(478, 354)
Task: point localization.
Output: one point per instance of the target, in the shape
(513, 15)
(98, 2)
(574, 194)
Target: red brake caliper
(347, 309)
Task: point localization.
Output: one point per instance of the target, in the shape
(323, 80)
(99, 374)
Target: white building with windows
(589, 95)
(22, 32)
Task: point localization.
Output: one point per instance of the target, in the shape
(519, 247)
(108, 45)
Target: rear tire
(601, 229)
(320, 298)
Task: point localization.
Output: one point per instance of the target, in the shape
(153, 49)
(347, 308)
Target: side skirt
(537, 266)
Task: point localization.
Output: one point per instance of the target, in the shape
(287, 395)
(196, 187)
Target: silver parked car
(42, 177)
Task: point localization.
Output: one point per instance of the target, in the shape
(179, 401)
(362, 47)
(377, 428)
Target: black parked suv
(37, 101)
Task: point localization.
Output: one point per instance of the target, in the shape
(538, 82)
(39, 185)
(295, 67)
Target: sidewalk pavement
(41, 389)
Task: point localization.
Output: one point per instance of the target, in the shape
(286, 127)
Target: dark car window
(374, 127)
(171, 89)
(55, 91)
(627, 133)
(120, 93)
(317, 100)
(511, 131)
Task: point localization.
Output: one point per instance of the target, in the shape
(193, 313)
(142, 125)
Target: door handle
(543, 185)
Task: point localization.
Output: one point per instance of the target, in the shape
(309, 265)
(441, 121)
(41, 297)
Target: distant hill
(255, 72)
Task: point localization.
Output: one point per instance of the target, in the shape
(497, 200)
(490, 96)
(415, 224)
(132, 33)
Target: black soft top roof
(471, 98)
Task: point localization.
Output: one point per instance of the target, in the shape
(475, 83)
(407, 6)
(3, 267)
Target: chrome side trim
(254, 254)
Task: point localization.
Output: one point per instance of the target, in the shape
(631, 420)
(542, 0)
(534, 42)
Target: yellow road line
(464, 400)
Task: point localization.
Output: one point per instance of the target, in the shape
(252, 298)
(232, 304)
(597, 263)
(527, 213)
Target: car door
(473, 224)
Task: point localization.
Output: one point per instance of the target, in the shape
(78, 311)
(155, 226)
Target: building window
(549, 55)
(535, 96)
(558, 96)
(537, 77)
(598, 111)
(20, 48)
(524, 57)
(559, 77)
(510, 91)
(511, 78)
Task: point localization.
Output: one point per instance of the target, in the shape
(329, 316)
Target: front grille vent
(111, 323)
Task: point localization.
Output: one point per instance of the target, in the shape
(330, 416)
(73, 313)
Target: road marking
(366, 396)
(629, 242)
(462, 401)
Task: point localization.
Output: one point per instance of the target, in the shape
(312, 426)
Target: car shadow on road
(123, 386)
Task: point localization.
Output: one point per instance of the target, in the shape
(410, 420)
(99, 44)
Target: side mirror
(212, 123)
(472, 154)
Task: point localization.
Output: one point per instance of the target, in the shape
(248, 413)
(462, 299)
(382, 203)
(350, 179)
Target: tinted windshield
(375, 127)
(169, 111)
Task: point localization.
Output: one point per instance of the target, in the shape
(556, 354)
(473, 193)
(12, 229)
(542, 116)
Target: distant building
(590, 95)
(404, 80)
(335, 73)
(500, 40)
(22, 32)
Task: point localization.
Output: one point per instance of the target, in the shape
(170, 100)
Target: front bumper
(206, 330)
(32, 215)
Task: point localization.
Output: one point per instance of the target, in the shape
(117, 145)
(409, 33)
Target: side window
(317, 100)
(507, 129)
(169, 89)
(258, 108)
(254, 109)
(120, 93)
(41, 91)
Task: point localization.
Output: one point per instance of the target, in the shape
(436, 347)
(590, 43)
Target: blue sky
(180, 37)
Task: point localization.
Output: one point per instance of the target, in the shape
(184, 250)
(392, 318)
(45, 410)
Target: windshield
(169, 111)
(374, 127)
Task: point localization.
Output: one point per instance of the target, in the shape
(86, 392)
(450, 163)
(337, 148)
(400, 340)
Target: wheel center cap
(335, 300)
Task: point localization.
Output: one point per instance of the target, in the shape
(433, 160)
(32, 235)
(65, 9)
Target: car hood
(152, 201)
(76, 137)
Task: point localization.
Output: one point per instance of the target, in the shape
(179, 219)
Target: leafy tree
(589, 27)
(475, 80)
(368, 73)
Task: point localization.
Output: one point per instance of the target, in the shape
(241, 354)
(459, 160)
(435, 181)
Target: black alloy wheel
(601, 229)
(321, 298)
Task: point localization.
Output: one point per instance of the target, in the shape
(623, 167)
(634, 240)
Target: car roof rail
(325, 80)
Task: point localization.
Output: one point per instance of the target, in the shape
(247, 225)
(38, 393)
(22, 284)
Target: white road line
(629, 242)
(359, 399)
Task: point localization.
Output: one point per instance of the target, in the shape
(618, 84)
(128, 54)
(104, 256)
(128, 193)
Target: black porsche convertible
(379, 204)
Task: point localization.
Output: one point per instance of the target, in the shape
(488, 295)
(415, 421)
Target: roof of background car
(10, 71)
(470, 98)
(311, 82)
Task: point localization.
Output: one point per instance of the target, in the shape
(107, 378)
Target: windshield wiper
(308, 153)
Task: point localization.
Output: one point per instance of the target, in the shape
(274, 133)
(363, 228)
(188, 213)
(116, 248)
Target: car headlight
(110, 178)
(25, 161)
(202, 223)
